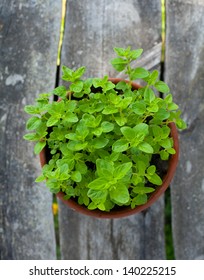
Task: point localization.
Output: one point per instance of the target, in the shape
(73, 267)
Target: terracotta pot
(126, 210)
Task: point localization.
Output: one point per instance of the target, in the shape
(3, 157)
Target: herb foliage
(102, 136)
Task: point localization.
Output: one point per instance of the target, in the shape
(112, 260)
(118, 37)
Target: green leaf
(128, 132)
(33, 123)
(110, 109)
(60, 91)
(136, 53)
(153, 77)
(76, 145)
(81, 167)
(139, 73)
(143, 190)
(120, 120)
(52, 120)
(164, 155)
(154, 179)
(151, 169)
(32, 110)
(76, 176)
(120, 194)
(67, 74)
(99, 142)
(145, 147)
(140, 199)
(104, 168)
(149, 95)
(79, 72)
(39, 146)
(40, 178)
(139, 107)
(76, 86)
(98, 184)
(162, 114)
(162, 87)
(107, 126)
(119, 63)
(166, 143)
(71, 117)
(122, 170)
(97, 196)
(120, 145)
(31, 137)
(141, 129)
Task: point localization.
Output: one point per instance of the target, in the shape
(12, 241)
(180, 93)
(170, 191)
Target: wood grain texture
(92, 29)
(29, 34)
(185, 75)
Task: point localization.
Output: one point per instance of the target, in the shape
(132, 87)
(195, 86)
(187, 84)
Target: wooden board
(29, 34)
(92, 29)
(185, 75)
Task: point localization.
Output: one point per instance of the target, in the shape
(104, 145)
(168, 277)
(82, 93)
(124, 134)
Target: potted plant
(108, 147)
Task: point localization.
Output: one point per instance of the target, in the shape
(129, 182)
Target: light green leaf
(71, 117)
(143, 190)
(39, 146)
(162, 87)
(149, 95)
(52, 121)
(99, 142)
(98, 184)
(76, 86)
(60, 91)
(162, 114)
(122, 170)
(145, 147)
(140, 199)
(120, 145)
(107, 126)
(97, 196)
(33, 123)
(151, 169)
(139, 107)
(31, 137)
(104, 168)
(139, 73)
(120, 194)
(76, 176)
(29, 109)
(154, 179)
(128, 132)
(40, 178)
(119, 63)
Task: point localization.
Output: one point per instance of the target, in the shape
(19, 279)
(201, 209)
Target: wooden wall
(29, 35)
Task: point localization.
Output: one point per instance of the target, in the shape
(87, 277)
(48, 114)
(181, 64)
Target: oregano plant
(104, 139)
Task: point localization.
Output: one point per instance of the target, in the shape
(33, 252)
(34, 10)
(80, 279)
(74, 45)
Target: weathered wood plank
(185, 75)
(92, 29)
(28, 52)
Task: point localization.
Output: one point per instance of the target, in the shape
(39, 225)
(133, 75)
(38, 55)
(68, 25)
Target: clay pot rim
(126, 210)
